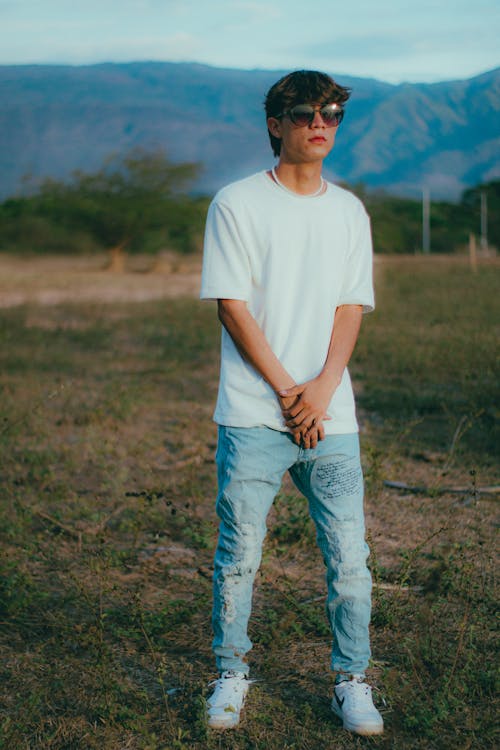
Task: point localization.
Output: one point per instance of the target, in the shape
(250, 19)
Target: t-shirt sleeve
(226, 265)
(358, 285)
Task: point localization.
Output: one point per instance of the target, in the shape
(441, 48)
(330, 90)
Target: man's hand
(307, 432)
(309, 438)
(312, 399)
(286, 402)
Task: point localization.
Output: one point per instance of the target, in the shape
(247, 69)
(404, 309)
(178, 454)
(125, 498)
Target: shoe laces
(357, 689)
(227, 684)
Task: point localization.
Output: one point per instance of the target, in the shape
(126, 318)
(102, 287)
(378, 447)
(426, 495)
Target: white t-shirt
(294, 259)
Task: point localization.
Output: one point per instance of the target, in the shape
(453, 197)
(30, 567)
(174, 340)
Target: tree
(130, 198)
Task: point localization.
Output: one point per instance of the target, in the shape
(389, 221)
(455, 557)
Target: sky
(392, 40)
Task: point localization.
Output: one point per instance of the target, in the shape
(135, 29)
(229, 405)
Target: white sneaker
(352, 701)
(225, 703)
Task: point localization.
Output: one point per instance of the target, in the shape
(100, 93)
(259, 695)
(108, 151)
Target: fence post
(472, 252)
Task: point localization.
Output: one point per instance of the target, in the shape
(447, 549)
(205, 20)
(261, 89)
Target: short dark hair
(301, 87)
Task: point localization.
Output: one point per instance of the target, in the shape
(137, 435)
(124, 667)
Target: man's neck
(303, 179)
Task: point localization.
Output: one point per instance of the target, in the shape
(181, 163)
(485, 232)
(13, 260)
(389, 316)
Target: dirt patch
(56, 280)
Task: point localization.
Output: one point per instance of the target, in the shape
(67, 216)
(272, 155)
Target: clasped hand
(304, 411)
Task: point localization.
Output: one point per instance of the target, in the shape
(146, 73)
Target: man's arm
(253, 346)
(311, 399)
(252, 343)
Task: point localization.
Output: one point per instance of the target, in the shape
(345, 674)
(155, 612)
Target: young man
(288, 258)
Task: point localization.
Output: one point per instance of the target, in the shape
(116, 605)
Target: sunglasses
(303, 114)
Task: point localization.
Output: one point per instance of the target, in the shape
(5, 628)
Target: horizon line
(242, 70)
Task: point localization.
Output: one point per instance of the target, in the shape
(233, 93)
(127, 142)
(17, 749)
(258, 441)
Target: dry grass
(108, 526)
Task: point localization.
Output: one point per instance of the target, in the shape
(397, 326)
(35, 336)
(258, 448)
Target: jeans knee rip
(228, 608)
(245, 560)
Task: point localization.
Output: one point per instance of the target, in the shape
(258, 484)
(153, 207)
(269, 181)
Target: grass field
(107, 522)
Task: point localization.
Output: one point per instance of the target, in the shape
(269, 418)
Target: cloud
(363, 46)
(258, 12)
(181, 45)
(391, 39)
(176, 47)
(410, 53)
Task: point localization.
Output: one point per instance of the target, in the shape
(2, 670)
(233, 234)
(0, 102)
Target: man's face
(303, 143)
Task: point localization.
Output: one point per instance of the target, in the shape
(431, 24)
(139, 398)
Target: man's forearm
(342, 342)
(252, 343)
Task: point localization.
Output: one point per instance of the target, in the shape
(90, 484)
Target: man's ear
(274, 126)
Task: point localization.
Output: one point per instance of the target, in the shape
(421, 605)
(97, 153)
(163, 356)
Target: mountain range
(399, 138)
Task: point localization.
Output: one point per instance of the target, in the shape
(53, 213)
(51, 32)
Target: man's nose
(318, 121)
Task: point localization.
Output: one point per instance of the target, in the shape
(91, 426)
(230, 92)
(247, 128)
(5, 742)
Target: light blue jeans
(251, 463)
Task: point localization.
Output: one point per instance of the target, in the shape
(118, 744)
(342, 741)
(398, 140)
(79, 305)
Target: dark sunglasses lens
(301, 115)
(332, 116)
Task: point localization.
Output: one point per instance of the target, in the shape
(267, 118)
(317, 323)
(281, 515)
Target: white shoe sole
(222, 722)
(364, 730)
(225, 719)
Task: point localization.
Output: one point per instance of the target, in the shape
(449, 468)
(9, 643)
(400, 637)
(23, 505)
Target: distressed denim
(251, 463)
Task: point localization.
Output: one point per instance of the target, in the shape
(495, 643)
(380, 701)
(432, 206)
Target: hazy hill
(54, 119)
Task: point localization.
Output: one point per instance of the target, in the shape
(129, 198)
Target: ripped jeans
(251, 463)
